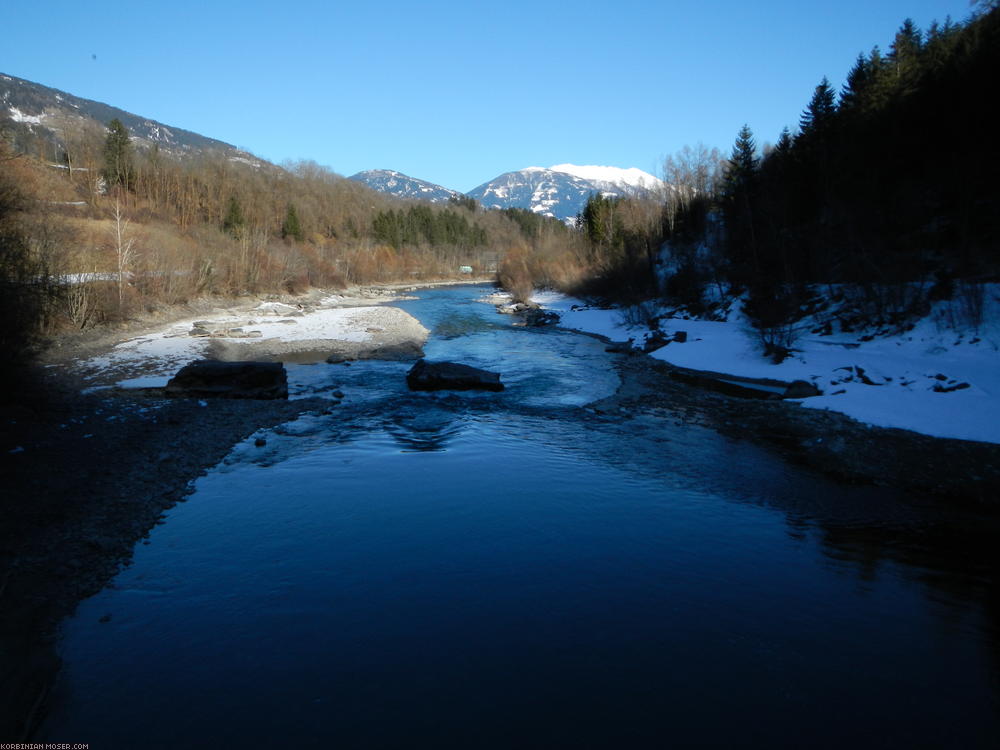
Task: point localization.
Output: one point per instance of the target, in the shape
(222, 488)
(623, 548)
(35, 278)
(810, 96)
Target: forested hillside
(887, 189)
(109, 226)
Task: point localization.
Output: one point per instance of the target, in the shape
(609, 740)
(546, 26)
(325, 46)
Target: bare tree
(124, 247)
(690, 172)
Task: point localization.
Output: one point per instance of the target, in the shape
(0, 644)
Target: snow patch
(18, 116)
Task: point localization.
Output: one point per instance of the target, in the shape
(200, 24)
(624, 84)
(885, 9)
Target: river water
(513, 570)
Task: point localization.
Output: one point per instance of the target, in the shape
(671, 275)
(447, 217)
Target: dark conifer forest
(888, 187)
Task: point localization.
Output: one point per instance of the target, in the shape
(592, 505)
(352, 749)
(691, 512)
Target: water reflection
(462, 324)
(427, 430)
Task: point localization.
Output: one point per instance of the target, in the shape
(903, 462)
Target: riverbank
(957, 472)
(937, 375)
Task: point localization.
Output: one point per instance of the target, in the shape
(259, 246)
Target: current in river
(484, 570)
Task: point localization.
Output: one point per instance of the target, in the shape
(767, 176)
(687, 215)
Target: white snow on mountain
(562, 191)
(18, 116)
(633, 177)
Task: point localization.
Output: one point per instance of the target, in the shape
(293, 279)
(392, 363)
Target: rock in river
(206, 378)
(451, 376)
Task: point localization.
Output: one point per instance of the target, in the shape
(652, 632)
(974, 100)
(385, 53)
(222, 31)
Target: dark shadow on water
(462, 324)
(425, 430)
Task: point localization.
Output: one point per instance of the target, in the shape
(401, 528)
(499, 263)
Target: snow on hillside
(935, 379)
(632, 176)
(18, 116)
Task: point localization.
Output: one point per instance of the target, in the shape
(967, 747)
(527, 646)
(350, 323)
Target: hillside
(46, 121)
(100, 225)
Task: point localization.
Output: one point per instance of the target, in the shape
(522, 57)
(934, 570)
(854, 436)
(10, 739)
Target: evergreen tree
(742, 165)
(821, 108)
(234, 222)
(118, 167)
(858, 79)
(602, 222)
(907, 43)
(291, 227)
(784, 145)
(739, 188)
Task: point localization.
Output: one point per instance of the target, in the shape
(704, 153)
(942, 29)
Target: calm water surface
(510, 570)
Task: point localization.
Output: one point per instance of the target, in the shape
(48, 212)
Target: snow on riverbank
(267, 330)
(932, 379)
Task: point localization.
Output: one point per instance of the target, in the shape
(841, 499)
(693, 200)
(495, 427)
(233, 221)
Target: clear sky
(456, 92)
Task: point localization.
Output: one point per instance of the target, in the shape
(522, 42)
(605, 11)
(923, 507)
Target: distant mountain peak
(562, 191)
(632, 176)
(403, 186)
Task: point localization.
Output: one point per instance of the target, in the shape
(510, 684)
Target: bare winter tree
(694, 170)
(124, 247)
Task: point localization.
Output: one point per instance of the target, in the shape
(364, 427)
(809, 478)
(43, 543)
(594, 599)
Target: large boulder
(451, 376)
(536, 317)
(206, 378)
(801, 389)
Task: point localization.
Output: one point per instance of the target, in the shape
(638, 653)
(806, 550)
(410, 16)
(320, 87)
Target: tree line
(887, 188)
(143, 227)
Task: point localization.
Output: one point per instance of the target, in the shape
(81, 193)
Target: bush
(26, 291)
(772, 310)
(514, 275)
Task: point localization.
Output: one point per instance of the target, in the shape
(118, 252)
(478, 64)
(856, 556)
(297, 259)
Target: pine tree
(820, 110)
(784, 145)
(118, 167)
(739, 194)
(904, 56)
(234, 222)
(907, 43)
(291, 226)
(742, 165)
(858, 79)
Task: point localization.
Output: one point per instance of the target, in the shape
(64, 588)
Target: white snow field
(270, 328)
(633, 177)
(936, 379)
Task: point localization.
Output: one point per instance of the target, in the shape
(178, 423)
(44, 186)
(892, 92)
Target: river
(514, 570)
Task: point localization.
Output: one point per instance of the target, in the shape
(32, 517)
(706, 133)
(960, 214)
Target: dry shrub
(515, 274)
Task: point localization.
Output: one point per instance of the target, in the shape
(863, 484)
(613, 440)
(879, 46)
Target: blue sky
(456, 92)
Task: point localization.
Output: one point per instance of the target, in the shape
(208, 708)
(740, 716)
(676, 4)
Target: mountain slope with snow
(403, 186)
(31, 112)
(558, 192)
(615, 177)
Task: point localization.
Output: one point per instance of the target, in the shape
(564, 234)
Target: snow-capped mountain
(562, 191)
(612, 177)
(403, 186)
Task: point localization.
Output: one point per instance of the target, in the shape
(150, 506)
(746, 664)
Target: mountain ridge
(39, 118)
(560, 191)
(31, 111)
